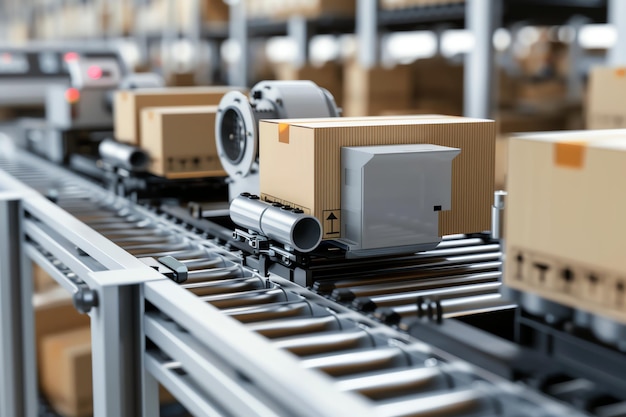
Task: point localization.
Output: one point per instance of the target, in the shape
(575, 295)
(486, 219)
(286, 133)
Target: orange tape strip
(570, 154)
(283, 133)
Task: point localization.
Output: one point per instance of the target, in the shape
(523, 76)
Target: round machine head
(235, 134)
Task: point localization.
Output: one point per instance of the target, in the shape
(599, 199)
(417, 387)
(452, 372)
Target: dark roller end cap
(388, 316)
(323, 287)
(342, 295)
(364, 304)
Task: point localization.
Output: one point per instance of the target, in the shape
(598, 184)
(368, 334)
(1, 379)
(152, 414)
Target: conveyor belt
(398, 374)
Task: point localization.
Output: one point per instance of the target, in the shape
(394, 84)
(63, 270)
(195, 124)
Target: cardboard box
(607, 98)
(300, 162)
(510, 121)
(129, 104)
(214, 11)
(565, 219)
(181, 141)
(438, 78)
(372, 91)
(313, 8)
(66, 372)
(41, 280)
(55, 313)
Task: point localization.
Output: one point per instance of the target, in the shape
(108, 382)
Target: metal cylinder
(124, 156)
(479, 401)
(397, 382)
(497, 214)
(290, 227)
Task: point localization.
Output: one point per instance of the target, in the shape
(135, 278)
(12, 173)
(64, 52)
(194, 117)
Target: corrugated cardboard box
(565, 219)
(66, 372)
(55, 313)
(129, 104)
(181, 141)
(607, 98)
(42, 281)
(372, 91)
(300, 162)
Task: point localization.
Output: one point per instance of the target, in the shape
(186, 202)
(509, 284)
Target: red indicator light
(72, 95)
(6, 57)
(70, 57)
(94, 72)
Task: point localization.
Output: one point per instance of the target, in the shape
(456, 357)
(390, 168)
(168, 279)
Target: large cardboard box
(606, 107)
(66, 372)
(565, 219)
(181, 141)
(372, 91)
(300, 162)
(55, 313)
(129, 104)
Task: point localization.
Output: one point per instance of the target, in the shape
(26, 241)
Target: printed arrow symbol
(332, 219)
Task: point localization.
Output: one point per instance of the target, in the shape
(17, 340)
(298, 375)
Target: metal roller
(121, 155)
(406, 381)
(282, 224)
(363, 361)
(203, 263)
(427, 280)
(272, 311)
(327, 342)
(225, 286)
(246, 299)
(433, 268)
(459, 307)
(274, 329)
(479, 401)
(370, 304)
(214, 274)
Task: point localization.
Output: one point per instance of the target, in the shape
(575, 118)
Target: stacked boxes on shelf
(281, 9)
(372, 91)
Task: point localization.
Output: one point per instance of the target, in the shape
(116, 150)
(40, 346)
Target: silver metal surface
(617, 18)
(497, 214)
(480, 401)
(482, 17)
(18, 380)
(377, 218)
(123, 155)
(367, 32)
(292, 228)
